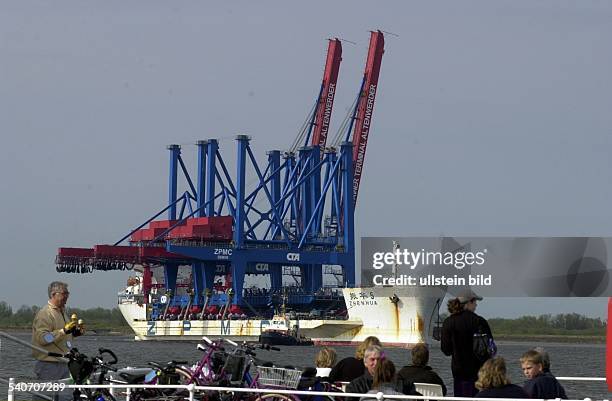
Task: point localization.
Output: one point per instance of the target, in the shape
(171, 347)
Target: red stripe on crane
(365, 109)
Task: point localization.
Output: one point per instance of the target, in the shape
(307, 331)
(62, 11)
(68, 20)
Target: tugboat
(280, 332)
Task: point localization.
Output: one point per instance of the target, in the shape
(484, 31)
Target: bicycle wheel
(186, 376)
(276, 397)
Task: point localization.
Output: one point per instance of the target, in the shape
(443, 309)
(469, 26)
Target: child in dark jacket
(540, 384)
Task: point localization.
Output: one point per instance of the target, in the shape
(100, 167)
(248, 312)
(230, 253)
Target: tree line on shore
(94, 318)
(112, 320)
(560, 324)
(570, 324)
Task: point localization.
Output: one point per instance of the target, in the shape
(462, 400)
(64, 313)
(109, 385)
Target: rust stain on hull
(420, 325)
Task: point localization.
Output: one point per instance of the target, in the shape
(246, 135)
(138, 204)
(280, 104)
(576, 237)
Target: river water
(583, 360)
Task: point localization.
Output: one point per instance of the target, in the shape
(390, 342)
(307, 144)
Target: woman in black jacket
(457, 341)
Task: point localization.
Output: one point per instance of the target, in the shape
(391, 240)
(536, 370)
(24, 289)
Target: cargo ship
(397, 316)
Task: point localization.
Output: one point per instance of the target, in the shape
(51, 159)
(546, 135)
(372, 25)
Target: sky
(491, 119)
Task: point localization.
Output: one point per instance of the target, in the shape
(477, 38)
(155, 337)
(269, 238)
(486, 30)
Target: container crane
(232, 230)
(325, 103)
(365, 107)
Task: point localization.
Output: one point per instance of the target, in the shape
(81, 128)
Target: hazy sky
(492, 118)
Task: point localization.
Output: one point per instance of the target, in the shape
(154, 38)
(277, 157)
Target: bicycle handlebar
(246, 348)
(204, 348)
(103, 351)
(105, 365)
(169, 367)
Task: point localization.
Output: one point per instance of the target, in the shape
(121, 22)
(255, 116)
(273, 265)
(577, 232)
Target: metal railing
(193, 390)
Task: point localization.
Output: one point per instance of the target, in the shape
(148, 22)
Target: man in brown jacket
(53, 331)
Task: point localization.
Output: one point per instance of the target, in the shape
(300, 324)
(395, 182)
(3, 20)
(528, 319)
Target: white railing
(583, 379)
(193, 389)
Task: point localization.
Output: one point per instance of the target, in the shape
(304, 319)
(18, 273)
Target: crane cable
(338, 137)
(303, 129)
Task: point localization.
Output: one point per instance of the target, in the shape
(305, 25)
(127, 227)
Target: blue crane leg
(198, 281)
(175, 151)
(202, 147)
(170, 272)
(211, 171)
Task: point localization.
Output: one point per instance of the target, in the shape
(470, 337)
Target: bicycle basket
(218, 361)
(80, 368)
(234, 367)
(279, 377)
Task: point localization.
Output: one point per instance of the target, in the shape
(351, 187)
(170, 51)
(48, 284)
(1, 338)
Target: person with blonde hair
(324, 361)
(493, 381)
(351, 368)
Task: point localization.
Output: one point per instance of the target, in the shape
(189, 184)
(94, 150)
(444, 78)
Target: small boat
(280, 332)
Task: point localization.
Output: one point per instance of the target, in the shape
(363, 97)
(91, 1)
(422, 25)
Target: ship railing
(116, 387)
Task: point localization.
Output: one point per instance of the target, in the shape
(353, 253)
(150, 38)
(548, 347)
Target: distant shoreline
(92, 332)
(560, 338)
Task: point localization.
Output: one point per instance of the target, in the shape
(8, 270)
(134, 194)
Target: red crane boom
(328, 92)
(365, 107)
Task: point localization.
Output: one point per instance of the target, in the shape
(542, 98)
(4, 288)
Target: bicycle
(209, 369)
(236, 372)
(159, 374)
(82, 369)
(206, 371)
(271, 377)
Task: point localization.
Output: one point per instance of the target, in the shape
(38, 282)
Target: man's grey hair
(372, 349)
(56, 286)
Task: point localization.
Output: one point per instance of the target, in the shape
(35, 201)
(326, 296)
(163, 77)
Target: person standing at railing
(53, 330)
(458, 341)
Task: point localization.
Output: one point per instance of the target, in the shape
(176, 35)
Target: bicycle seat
(132, 378)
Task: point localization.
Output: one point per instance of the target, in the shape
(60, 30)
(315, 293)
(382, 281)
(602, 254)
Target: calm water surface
(584, 360)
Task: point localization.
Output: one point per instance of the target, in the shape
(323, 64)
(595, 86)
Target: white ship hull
(397, 316)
